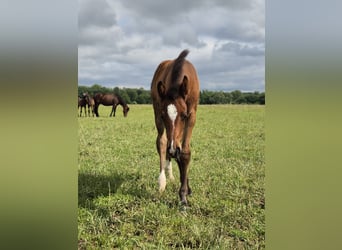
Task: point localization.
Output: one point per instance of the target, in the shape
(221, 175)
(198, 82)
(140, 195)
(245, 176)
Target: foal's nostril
(178, 150)
(174, 152)
(171, 151)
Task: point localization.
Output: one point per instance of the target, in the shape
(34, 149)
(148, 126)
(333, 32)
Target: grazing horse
(110, 100)
(175, 94)
(90, 104)
(82, 102)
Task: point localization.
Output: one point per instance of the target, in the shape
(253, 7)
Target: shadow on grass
(91, 186)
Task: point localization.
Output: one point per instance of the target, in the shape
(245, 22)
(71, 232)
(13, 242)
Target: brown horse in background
(110, 100)
(175, 94)
(90, 104)
(82, 102)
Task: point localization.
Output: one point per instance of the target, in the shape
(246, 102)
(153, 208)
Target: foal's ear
(161, 89)
(183, 89)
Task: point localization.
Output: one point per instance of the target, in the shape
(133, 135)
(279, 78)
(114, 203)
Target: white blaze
(172, 112)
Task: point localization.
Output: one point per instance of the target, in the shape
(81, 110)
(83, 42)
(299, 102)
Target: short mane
(177, 66)
(122, 101)
(173, 91)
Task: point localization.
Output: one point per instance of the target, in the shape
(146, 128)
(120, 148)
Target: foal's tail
(177, 65)
(183, 54)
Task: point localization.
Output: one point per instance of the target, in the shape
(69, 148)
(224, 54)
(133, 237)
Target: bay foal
(175, 94)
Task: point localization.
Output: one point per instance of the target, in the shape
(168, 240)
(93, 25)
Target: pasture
(119, 206)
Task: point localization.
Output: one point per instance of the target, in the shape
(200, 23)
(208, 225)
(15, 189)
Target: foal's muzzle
(174, 153)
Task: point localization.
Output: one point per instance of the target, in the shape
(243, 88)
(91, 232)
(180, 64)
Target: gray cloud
(95, 13)
(243, 49)
(122, 42)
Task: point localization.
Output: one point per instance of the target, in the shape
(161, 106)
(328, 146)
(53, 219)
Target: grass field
(118, 199)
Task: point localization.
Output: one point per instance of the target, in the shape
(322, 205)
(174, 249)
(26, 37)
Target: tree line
(142, 96)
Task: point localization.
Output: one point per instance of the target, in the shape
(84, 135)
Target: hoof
(162, 182)
(183, 208)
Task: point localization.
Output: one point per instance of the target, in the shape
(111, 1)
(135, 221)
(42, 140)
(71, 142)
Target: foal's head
(175, 116)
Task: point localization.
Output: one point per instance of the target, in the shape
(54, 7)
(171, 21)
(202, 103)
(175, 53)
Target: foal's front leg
(184, 159)
(183, 164)
(161, 147)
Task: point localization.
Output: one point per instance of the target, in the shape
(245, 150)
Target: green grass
(118, 199)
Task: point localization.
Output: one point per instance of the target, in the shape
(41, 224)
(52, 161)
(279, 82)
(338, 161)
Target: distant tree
(262, 98)
(142, 96)
(125, 96)
(251, 98)
(241, 100)
(204, 97)
(228, 97)
(97, 88)
(117, 91)
(214, 97)
(236, 97)
(140, 91)
(132, 93)
(82, 89)
(219, 97)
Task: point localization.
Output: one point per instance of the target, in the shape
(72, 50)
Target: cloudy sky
(121, 42)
